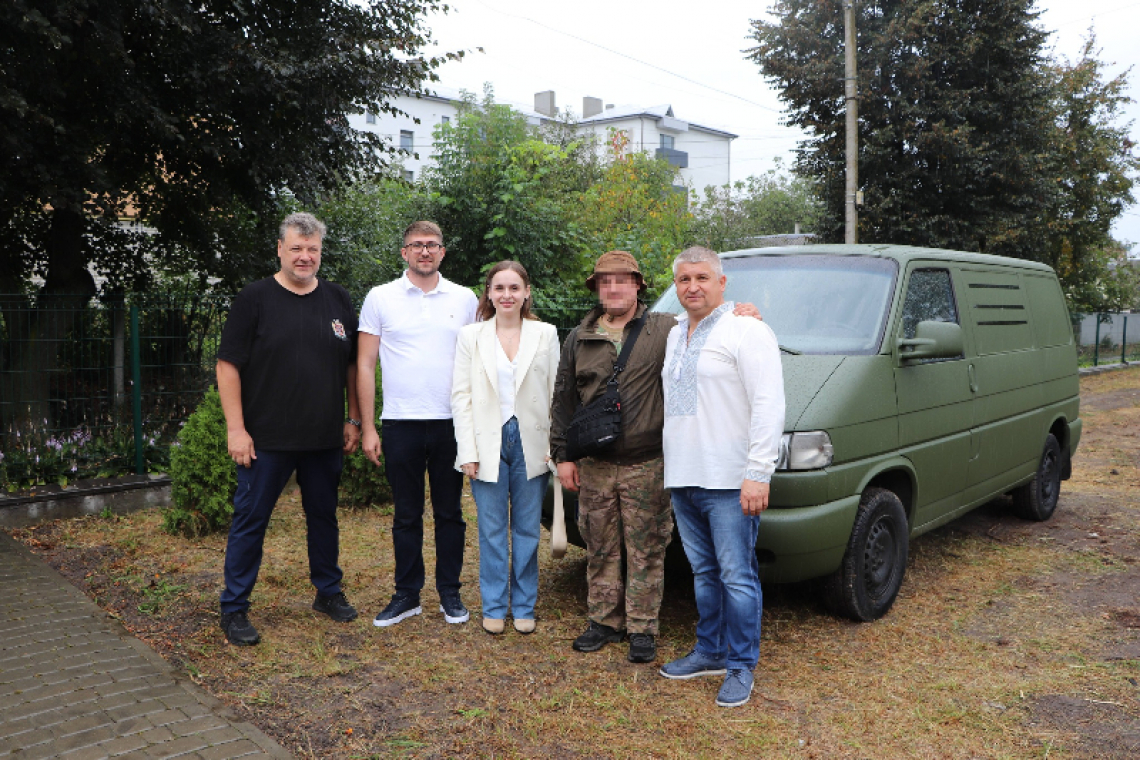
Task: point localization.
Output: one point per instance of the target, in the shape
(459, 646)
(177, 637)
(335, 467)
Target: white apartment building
(414, 141)
(701, 154)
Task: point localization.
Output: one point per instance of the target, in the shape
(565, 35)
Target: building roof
(658, 112)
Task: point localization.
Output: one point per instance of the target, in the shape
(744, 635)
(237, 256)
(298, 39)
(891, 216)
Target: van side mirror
(932, 340)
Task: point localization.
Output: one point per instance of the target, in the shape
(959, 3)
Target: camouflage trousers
(625, 504)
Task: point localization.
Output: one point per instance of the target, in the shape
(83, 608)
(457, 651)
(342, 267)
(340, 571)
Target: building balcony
(678, 158)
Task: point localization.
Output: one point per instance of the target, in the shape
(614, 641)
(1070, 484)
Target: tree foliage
(196, 117)
(1093, 167)
(183, 111)
(732, 216)
(499, 192)
(953, 117)
(635, 207)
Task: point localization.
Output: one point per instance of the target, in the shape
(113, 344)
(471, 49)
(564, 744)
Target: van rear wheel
(1037, 499)
(867, 582)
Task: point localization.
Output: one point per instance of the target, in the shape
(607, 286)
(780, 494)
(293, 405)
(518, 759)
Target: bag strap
(627, 347)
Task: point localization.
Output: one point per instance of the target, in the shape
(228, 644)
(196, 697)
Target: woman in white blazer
(500, 400)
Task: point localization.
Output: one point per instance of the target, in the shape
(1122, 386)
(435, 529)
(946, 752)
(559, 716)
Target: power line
(631, 58)
(1075, 19)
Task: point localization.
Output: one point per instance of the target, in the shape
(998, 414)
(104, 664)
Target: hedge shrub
(202, 472)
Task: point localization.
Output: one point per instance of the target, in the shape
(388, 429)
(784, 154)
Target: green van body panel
(955, 432)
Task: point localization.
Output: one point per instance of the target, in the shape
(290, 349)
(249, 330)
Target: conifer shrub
(202, 473)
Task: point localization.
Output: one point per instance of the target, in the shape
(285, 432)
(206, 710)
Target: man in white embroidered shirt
(724, 415)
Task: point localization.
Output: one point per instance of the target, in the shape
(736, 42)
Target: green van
(920, 384)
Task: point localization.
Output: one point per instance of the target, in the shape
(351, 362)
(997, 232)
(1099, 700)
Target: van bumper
(798, 543)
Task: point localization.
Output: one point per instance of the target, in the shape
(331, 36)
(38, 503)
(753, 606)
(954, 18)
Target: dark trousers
(410, 448)
(258, 487)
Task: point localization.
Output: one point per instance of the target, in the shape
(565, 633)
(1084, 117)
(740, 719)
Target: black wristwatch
(351, 421)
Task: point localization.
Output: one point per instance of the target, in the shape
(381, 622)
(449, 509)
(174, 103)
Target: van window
(929, 298)
(815, 303)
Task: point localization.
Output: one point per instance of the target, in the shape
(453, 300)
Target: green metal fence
(1107, 338)
(101, 387)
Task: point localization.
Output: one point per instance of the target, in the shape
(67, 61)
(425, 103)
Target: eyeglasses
(417, 246)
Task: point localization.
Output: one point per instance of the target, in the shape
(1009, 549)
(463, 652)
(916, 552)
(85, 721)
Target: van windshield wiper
(792, 351)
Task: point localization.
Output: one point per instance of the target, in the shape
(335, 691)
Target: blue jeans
(509, 512)
(720, 542)
(258, 487)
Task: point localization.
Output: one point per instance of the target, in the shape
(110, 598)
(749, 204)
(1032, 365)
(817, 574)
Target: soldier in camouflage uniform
(622, 498)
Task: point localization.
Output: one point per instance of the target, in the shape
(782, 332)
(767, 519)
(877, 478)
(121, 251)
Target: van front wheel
(866, 584)
(1037, 499)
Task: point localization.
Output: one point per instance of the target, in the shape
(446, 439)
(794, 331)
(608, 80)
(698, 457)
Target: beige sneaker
(493, 626)
(524, 625)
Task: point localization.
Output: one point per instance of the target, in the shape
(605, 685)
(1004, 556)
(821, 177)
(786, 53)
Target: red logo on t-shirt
(338, 329)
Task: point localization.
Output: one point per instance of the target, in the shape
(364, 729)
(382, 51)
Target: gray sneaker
(736, 689)
(692, 665)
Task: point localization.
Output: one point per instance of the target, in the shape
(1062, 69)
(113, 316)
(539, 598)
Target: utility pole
(851, 95)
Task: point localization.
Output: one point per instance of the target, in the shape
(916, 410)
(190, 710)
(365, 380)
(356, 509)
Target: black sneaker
(642, 647)
(596, 637)
(452, 608)
(238, 629)
(402, 606)
(336, 607)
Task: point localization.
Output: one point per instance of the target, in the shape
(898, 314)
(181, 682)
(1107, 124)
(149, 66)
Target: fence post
(136, 389)
(1124, 341)
(1096, 344)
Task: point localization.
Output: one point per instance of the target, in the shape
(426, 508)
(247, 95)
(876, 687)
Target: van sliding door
(1008, 376)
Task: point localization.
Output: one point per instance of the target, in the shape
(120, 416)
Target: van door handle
(973, 379)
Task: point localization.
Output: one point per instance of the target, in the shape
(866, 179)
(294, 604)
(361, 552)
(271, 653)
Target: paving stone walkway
(74, 684)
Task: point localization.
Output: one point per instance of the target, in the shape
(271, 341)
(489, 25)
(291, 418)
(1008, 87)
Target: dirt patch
(1095, 729)
(1108, 401)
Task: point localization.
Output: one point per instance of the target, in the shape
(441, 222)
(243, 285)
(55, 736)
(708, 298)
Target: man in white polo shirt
(412, 324)
(724, 416)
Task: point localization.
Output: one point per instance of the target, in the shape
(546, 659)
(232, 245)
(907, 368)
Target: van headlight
(804, 451)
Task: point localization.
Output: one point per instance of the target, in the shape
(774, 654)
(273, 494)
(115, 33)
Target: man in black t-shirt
(283, 378)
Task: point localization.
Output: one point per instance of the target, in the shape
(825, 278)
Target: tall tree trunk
(59, 308)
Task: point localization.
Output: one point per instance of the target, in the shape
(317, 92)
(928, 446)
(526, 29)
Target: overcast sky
(690, 56)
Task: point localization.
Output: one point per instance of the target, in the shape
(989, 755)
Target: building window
(409, 175)
(406, 140)
(369, 117)
(667, 142)
(444, 119)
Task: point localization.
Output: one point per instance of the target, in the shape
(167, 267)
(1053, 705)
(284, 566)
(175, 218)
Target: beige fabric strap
(558, 525)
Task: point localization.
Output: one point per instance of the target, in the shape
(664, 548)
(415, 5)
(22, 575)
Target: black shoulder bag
(597, 425)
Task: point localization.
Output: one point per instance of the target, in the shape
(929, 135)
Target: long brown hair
(486, 308)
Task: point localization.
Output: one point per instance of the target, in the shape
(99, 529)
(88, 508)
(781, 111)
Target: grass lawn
(1009, 640)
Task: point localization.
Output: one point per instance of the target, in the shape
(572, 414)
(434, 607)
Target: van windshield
(816, 304)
